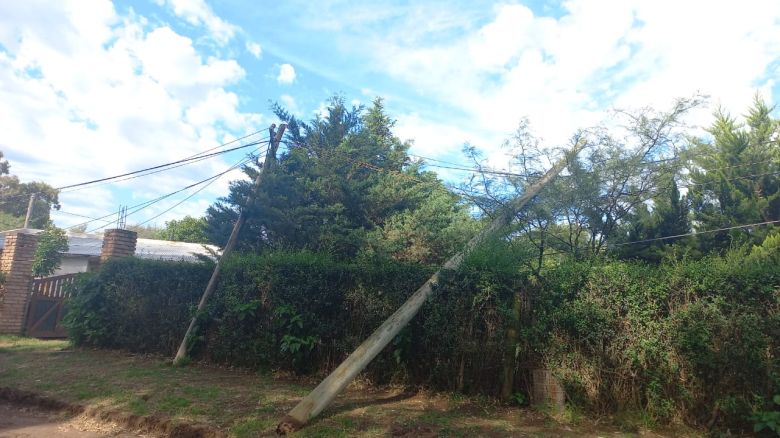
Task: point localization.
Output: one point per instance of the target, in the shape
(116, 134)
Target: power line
(436, 160)
(142, 206)
(161, 165)
(78, 215)
(730, 179)
(481, 170)
(139, 207)
(697, 232)
(235, 166)
(228, 143)
(160, 168)
(486, 170)
(199, 159)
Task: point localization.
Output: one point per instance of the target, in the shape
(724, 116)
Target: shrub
(136, 305)
(684, 340)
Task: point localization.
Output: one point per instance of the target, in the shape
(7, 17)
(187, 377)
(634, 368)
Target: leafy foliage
(16, 196)
(736, 177)
(135, 304)
(345, 186)
(671, 340)
(52, 243)
(347, 226)
(145, 231)
(768, 420)
(186, 229)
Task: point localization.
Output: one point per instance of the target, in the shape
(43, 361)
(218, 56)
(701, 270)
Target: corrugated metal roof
(90, 245)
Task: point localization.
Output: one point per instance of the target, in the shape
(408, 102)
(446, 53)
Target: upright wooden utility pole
(270, 158)
(30, 207)
(328, 389)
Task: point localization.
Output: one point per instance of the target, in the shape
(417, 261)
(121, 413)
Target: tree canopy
(186, 229)
(345, 185)
(15, 197)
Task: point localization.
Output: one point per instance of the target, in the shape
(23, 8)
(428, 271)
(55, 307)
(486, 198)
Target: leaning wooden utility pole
(30, 207)
(328, 389)
(270, 158)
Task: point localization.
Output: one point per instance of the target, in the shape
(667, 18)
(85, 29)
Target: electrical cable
(160, 166)
(235, 166)
(155, 169)
(697, 232)
(138, 207)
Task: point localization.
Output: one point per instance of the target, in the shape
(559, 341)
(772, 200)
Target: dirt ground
(146, 395)
(18, 422)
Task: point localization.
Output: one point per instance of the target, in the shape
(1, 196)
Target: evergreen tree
(669, 217)
(344, 185)
(736, 177)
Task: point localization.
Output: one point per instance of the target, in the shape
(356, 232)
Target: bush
(136, 305)
(692, 340)
(684, 340)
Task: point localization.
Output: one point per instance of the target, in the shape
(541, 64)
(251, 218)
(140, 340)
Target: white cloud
(565, 73)
(286, 74)
(198, 13)
(321, 110)
(86, 93)
(289, 103)
(254, 49)
(431, 138)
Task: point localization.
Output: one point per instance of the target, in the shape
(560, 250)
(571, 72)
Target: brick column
(16, 265)
(118, 243)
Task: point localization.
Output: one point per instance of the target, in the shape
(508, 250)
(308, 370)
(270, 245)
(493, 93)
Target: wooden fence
(47, 306)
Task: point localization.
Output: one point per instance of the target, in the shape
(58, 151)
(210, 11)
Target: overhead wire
(451, 166)
(161, 166)
(235, 166)
(136, 176)
(230, 142)
(694, 233)
(208, 182)
(154, 169)
(135, 208)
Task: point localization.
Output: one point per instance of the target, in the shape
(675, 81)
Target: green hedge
(136, 305)
(686, 340)
(690, 340)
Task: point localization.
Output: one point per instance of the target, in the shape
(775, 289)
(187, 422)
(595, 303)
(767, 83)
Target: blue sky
(91, 89)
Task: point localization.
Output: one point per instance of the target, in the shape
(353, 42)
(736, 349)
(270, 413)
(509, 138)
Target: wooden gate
(47, 306)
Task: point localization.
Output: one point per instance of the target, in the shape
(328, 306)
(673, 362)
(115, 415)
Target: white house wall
(72, 265)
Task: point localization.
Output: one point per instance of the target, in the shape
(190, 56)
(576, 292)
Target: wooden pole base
(288, 425)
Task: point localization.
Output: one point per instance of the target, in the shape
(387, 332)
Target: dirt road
(16, 422)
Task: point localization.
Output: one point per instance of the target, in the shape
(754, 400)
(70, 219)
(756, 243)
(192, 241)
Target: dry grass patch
(241, 403)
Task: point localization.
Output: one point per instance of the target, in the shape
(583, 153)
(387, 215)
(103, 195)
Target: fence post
(16, 265)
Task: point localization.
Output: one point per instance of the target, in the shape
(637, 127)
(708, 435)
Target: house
(84, 250)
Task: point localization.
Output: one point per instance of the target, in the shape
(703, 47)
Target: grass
(247, 404)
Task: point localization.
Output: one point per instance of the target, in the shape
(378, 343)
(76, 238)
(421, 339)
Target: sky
(90, 89)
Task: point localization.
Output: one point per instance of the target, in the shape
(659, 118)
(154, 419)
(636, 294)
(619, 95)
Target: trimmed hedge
(136, 305)
(687, 340)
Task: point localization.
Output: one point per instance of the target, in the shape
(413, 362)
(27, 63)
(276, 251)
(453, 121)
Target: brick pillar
(16, 265)
(118, 243)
